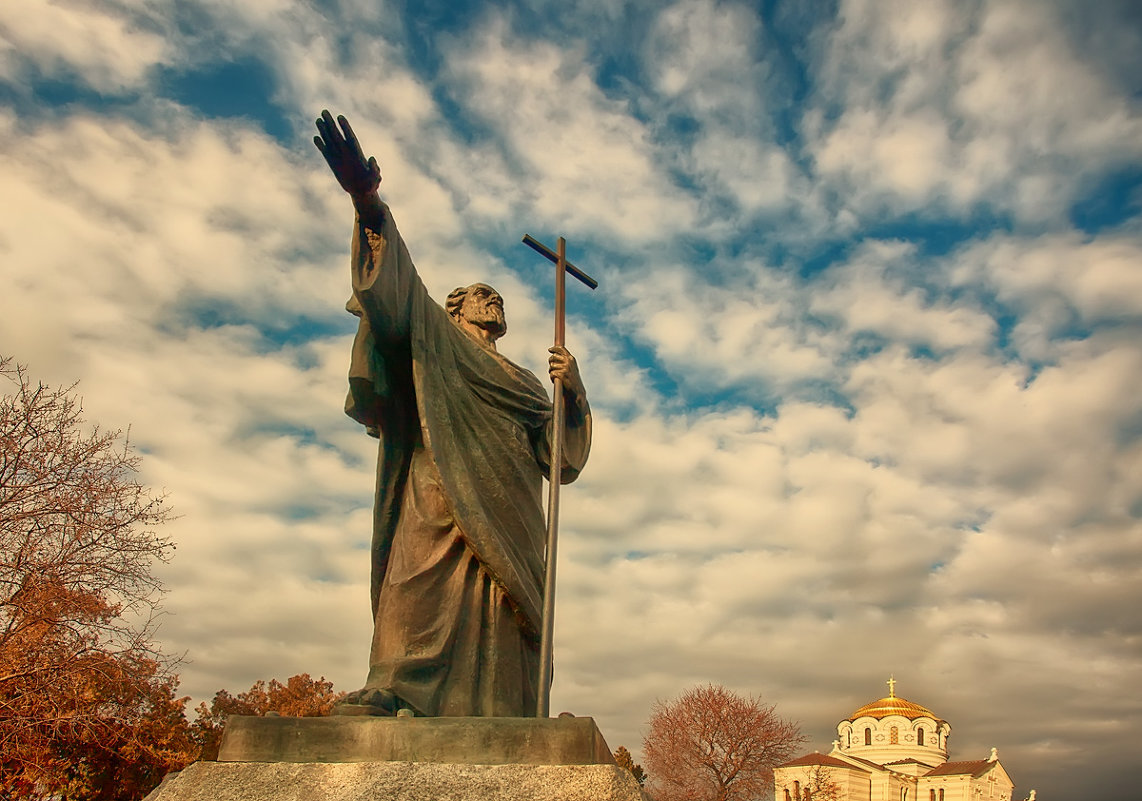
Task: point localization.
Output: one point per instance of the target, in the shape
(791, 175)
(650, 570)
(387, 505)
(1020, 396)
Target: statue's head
(479, 305)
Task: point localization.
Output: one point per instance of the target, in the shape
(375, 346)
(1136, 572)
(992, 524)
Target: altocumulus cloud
(865, 359)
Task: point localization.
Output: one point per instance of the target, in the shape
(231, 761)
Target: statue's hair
(455, 300)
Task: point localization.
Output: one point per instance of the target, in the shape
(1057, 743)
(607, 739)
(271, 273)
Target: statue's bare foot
(368, 701)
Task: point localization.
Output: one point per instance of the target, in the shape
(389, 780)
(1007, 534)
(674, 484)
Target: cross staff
(562, 267)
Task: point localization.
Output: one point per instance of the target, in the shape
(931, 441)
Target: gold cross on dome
(891, 686)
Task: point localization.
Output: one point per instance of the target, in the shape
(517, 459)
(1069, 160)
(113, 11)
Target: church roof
(863, 761)
(893, 705)
(976, 767)
(816, 759)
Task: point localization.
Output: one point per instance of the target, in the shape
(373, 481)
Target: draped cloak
(455, 416)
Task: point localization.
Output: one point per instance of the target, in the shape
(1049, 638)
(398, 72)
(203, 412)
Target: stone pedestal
(465, 741)
(396, 781)
(406, 759)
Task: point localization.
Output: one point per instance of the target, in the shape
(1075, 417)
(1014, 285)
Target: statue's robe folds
(459, 530)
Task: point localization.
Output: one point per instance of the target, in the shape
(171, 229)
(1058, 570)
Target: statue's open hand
(562, 366)
(342, 151)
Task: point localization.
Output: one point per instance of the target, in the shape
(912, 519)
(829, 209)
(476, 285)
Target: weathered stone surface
(397, 781)
(470, 741)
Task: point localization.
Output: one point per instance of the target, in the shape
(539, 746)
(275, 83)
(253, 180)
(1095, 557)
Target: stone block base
(461, 741)
(396, 781)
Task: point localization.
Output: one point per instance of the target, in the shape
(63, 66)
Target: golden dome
(892, 705)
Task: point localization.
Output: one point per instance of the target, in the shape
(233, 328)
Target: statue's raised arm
(357, 175)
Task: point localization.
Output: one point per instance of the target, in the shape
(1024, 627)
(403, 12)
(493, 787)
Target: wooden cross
(562, 267)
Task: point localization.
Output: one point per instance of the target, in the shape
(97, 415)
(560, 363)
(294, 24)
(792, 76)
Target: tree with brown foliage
(714, 745)
(87, 705)
(624, 760)
(299, 697)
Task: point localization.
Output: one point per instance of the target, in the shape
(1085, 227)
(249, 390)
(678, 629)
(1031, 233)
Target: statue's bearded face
(483, 307)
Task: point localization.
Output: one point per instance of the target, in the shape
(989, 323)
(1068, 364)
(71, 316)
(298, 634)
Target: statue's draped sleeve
(417, 379)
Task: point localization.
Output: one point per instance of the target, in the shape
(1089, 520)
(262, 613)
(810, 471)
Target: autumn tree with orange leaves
(299, 697)
(87, 702)
(714, 745)
(624, 759)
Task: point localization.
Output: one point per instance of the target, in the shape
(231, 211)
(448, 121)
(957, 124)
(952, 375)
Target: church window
(797, 790)
(787, 798)
(920, 736)
(931, 795)
(867, 736)
(894, 735)
(941, 794)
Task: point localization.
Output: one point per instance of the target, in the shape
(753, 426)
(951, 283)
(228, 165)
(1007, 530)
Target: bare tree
(819, 785)
(714, 745)
(79, 672)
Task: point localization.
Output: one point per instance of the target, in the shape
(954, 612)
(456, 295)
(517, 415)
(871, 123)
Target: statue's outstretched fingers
(351, 139)
(326, 154)
(334, 142)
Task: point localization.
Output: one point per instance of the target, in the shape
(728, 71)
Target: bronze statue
(458, 532)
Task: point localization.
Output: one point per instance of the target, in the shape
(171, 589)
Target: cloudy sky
(865, 357)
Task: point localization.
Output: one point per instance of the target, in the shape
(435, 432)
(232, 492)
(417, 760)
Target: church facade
(891, 750)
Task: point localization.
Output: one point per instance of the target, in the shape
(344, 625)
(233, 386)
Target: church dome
(892, 705)
(893, 730)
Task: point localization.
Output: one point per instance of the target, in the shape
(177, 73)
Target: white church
(892, 750)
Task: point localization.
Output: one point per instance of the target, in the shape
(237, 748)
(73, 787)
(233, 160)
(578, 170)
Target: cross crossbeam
(552, 256)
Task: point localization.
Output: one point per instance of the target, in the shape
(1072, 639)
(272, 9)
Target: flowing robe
(459, 531)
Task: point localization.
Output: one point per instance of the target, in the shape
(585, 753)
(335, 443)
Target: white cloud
(705, 63)
(579, 160)
(1094, 280)
(723, 336)
(759, 177)
(900, 156)
(991, 105)
(872, 292)
(1022, 82)
(98, 45)
(703, 55)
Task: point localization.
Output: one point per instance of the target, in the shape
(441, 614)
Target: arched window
(941, 794)
(797, 790)
(894, 735)
(787, 798)
(931, 795)
(849, 738)
(867, 736)
(920, 737)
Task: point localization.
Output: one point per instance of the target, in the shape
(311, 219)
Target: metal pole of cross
(562, 267)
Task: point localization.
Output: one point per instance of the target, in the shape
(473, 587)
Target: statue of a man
(458, 533)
